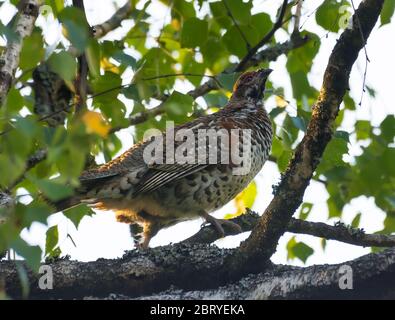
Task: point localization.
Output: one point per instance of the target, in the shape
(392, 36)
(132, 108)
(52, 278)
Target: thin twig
(366, 55)
(169, 75)
(248, 45)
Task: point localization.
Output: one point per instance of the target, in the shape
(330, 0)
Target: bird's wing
(155, 175)
(161, 174)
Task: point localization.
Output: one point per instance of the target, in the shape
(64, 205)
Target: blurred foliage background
(132, 74)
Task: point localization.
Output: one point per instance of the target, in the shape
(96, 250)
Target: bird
(151, 195)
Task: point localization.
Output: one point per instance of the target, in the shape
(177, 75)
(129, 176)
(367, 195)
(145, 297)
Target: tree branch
(195, 267)
(259, 247)
(114, 22)
(371, 277)
(338, 232)
(24, 23)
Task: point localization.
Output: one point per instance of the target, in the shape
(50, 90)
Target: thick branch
(339, 232)
(195, 267)
(262, 243)
(371, 277)
(27, 15)
(114, 22)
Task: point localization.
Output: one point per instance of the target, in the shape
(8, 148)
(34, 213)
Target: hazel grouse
(157, 194)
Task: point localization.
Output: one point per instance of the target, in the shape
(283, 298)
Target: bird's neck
(245, 103)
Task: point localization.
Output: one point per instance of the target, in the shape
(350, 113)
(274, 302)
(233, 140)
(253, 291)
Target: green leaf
(299, 123)
(236, 43)
(262, 23)
(75, 27)
(388, 128)
(301, 59)
(32, 254)
(371, 91)
(52, 239)
(125, 59)
(178, 105)
(181, 8)
(241, 11)
(305, 210)
(36, 212)
(56, 5)
(328, 14)
(54, 190)
(227, 80)
(92, 53)
(298, 250)
(219, 12)
(194, 33)
(323, 243)
(355, 222)
(106, 87)
(300, 85)
(217, 99)
(283, 160)
(349, 102)
(76, 214)
(342, 135)
(333, 154)
(32, 51)
(15, 167)
(363, 129)
(64, 64)
(14, 101)
(335, 206)
(387, 12)
(23, 278)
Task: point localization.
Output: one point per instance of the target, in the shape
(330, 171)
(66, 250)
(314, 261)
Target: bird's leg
(150, 230)
(219, 223)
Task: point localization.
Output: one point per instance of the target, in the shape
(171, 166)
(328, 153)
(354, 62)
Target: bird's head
(251, 85)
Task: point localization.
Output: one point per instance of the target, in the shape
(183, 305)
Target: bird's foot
(219, 225)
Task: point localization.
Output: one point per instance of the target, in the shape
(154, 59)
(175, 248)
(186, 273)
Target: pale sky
(101, 236)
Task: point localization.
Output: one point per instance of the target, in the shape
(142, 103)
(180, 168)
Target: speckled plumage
(161, 195)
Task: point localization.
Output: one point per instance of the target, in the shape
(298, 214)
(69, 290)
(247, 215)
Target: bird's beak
(264, 73)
